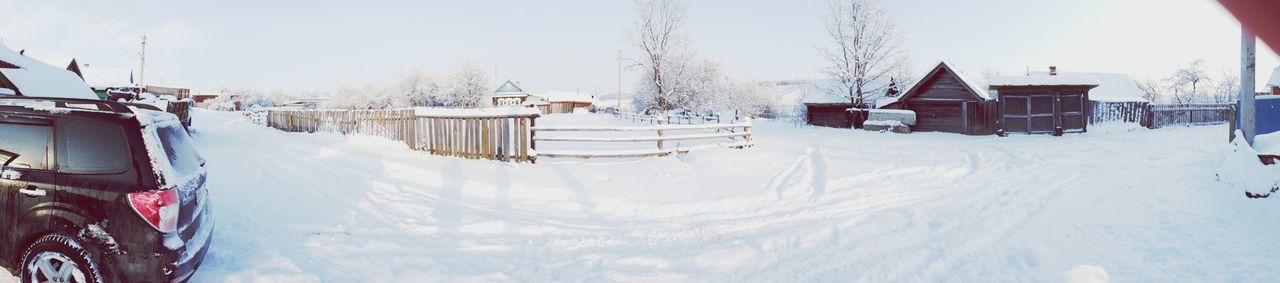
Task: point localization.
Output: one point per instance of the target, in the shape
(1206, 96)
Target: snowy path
(805, 204)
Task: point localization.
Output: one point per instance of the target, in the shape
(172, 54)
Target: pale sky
(568, 45)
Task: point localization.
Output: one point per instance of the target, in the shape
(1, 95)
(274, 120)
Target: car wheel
(58, 258)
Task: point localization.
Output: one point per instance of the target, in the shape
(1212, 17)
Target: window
(26, 145)
(88, 148)
(178, 148)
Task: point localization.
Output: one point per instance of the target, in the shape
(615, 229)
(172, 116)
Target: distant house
(509, 95)
(1274, 82)
(565, 102)
(24, 76)
(1043, 103)
(945, 100)
(202, 97)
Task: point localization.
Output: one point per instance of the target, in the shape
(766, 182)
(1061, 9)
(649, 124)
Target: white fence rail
(682, 119)
(735, 135)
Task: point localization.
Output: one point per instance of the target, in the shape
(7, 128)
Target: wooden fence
(980, 117)
(467, 133)
(736, 135)
(1161, 115)
(1126, 112)
(1153, 115)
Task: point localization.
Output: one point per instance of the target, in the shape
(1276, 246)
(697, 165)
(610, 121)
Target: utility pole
(142, 69)
(1248, 110)
(619, 96)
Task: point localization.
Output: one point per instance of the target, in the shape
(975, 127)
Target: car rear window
(178, 148)
(92, 148)
(30, 144)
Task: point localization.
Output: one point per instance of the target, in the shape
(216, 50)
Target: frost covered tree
(465, 88)
(1151, 90)
(662, 44)
(1186, 81)
(1225, 89)
(469, 86)
(863, 47)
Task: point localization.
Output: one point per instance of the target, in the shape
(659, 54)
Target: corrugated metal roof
(509, 88)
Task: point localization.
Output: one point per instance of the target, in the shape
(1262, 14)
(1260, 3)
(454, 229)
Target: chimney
(1053, 70)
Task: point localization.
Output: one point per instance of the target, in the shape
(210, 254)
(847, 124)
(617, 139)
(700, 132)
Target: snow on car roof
(35, 78)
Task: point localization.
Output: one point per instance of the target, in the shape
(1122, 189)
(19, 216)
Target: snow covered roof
(1044, 79)
(830, 91)
(1275, 77)
(567, 96)
(1113, 87)
(980, 92)
(35, 78)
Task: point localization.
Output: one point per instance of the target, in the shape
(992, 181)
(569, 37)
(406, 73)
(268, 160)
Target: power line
(134, 13)
(104, 29)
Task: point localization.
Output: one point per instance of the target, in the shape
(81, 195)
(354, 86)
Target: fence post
(1231, 118)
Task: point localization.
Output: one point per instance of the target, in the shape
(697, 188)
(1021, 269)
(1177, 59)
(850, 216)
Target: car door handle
(32, 191)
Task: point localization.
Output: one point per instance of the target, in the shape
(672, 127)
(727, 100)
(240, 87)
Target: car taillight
(158, 208)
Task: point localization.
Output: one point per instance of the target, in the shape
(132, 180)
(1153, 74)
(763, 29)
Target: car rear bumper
(155, 260)
(194, 249)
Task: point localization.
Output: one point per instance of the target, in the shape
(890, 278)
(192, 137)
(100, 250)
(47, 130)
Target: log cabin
(944, 100)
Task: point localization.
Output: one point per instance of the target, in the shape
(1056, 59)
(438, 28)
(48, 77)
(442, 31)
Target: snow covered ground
(805, 204)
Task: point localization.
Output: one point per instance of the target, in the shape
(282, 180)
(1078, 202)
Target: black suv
(98, 191)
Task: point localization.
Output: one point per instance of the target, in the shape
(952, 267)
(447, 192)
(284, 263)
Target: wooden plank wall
(1126, 112)
(494, 137)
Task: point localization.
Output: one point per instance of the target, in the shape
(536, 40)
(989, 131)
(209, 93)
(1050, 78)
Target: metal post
(1248, 109)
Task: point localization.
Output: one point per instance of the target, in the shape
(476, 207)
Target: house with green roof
(509, 94)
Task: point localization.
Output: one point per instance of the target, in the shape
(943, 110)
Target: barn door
(1071, 107)
(1015, 114)
(1041, 114)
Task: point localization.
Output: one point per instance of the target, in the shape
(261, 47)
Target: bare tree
(1151, 90)
(1186, 81)
(1227, 88)
(864, 47)
(660, 38)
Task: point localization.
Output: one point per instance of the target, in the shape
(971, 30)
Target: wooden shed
(1052, 103)
(945, 101)
(557, 102)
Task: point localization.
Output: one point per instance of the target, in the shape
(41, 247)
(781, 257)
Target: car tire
(49, 257)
